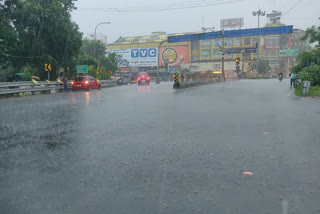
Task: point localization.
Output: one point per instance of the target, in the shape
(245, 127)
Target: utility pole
(158, 79)
(224, 77)
(258, 13)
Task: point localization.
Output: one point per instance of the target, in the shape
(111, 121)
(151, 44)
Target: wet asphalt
(152, 149)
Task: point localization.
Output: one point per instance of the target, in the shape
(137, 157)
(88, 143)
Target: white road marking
(284, 206)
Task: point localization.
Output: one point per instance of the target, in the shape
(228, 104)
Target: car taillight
(138, 79)
(71, 83)
(86, 82)
(142, 76)
(148, 78)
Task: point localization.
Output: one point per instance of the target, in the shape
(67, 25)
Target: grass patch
(313, 91)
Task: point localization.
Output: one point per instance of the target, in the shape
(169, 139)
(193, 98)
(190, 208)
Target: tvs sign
(139, 57)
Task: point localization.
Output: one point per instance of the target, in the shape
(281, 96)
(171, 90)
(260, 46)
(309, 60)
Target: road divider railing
(7, 88)
(187, 84)
(107, 83)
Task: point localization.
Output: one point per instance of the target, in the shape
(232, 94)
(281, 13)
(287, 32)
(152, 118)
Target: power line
(146, 7)
(288, 14)
(293, 7)
(124, 10)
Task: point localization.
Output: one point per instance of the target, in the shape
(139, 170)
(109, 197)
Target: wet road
(151, 149)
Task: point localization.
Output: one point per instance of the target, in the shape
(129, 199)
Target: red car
(85, 83)
(143, 78)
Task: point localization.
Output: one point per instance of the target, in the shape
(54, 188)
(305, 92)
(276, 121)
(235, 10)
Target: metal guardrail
(23, 87)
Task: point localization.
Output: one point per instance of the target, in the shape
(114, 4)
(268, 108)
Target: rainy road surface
(151, 149)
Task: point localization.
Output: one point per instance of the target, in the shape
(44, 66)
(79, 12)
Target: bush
(28, 72)
(311, 73)
(4, 73)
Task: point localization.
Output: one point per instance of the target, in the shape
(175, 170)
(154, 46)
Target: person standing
(65, 84)
(293, 77)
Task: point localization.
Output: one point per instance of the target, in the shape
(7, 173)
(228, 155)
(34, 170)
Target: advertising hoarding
(232, 23)
(174, 55)
(136, 57)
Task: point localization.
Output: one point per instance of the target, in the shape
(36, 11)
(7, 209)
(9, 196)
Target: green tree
(106, 62)
(44, 34)
(305, 59)
(93, 48)
(110, 62)
(310, 73)
(313, 34)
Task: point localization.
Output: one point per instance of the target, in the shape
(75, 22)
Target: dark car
(85, 83)
(143, 78)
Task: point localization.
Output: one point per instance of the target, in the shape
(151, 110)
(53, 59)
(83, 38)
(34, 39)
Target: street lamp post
(258, 13)
(158, 79)
(95, 36)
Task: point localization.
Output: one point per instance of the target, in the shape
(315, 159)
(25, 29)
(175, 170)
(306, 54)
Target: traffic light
(110, 73)
(220, 49)
(237, 61)
(249, 62)
(99, 70)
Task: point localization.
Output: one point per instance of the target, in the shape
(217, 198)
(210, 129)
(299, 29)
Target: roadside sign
(289, 52)
(82, 69)
(47, 67)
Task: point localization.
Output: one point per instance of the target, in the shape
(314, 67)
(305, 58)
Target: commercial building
(141, 53)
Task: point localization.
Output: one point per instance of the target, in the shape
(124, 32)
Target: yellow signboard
(217, 72)
(47, 67)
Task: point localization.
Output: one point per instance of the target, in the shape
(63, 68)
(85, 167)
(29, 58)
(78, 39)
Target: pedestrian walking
(293, 77)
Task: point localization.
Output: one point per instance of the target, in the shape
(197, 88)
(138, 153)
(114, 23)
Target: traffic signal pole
(258, 13)
(224, 77)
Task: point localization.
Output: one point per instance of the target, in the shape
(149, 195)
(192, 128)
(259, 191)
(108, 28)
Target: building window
(247, 41)
(217, 43)
(217, 53)
(238, 42)
(254, 41)
(205, 53)
(206, 43)
(228, 42)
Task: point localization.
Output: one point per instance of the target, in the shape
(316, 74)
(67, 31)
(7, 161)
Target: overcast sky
(300, 13)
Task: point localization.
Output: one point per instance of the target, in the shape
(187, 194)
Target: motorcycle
(281, 78)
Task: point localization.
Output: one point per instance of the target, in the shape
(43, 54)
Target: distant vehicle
(143, 78)
(122, 81)
(85, 83)
(133, 80)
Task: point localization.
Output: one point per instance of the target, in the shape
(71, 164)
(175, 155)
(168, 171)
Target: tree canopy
(36, 32)
(308, 63)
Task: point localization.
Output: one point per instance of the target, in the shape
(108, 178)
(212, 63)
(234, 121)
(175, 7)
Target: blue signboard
(240, 50)
(233, 33)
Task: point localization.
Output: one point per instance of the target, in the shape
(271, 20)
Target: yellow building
(239, 43)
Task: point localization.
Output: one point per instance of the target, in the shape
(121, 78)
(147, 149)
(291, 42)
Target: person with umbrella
(65, 83)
